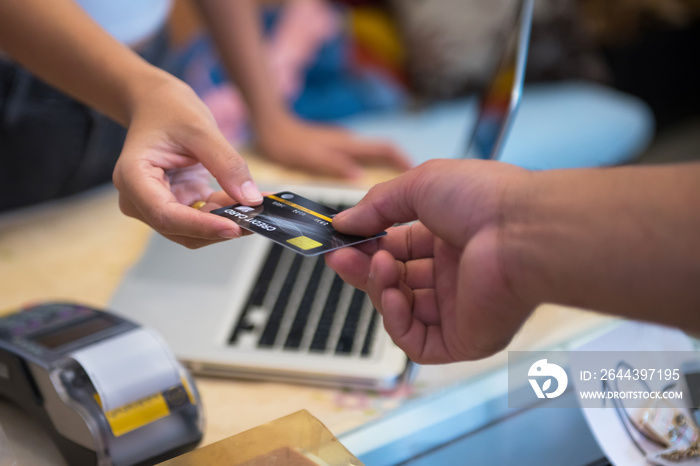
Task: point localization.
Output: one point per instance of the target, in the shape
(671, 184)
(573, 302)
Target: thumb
(447, 196)
(384, 205)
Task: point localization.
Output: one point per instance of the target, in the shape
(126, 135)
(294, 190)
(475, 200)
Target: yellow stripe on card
(302, 208)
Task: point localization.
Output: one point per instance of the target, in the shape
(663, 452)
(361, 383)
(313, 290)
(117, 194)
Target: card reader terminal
(108, 391)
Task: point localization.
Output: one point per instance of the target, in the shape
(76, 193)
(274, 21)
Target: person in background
(328, 62)
(493, 241)
(52, 146)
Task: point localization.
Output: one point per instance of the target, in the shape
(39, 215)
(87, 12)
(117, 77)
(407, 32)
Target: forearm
(235, 27)
(620, 240)
(60, 43)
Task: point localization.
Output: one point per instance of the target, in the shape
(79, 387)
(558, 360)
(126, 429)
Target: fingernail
(250, 192)
(229, 234)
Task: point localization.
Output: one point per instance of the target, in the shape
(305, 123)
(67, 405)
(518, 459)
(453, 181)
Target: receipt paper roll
(129, 367)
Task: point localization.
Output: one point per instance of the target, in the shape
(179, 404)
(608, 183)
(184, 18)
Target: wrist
(152, 81)
(266, 119)
(552, 236)
(617, 240)
(523, 228)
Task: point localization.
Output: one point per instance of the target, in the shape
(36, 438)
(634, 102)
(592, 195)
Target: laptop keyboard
(300, 304)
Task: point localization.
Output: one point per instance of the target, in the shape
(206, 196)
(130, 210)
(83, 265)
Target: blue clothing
(566, 124)
(129, 21)
(333, 86)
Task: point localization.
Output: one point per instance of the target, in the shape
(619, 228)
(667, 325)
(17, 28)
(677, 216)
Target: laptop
(500, 98)
(250, 308)
(482, 121)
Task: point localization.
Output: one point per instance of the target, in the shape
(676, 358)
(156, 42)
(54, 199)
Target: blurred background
(336, 59)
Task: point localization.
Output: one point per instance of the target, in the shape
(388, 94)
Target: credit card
(298, 223)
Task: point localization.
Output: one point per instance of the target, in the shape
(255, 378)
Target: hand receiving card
(293, 221)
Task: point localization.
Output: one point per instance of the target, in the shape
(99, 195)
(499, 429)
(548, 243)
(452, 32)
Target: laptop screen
(500, 98)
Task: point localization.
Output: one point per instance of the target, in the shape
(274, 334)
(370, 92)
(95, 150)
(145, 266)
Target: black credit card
(300, 224)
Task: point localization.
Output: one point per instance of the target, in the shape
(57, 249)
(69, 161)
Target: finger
(405, 242)
(384, 205)
(422, 342)
(384, 272)
(366, 150)
(177, 219)
(369, 247)
(418, 274)
(220, 199)
(425, 307)
(444, 194)
(414, 278)
(351, 264)
(410, 318)
(227, 166)
(377, 153)
(489, 314)
(408, 242)
(398, 320)
(332, 162)
(145, 194)
(174, 219)
(191, 243)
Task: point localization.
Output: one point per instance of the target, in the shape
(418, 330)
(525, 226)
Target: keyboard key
(257, 296)
(296, 333)
(273, 324)
(324, 324)
(347, 334)
(369, 337)
(262, 284)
